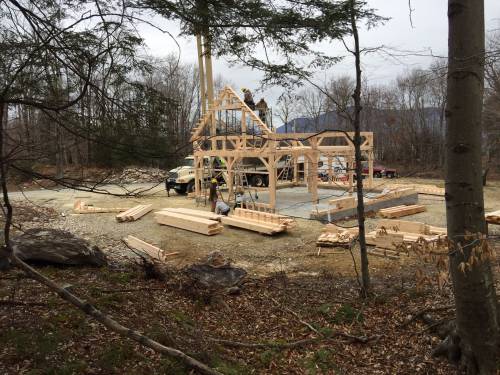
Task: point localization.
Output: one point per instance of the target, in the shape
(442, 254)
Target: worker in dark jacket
(248, 98)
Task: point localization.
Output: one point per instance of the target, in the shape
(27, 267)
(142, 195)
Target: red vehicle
(381, 171)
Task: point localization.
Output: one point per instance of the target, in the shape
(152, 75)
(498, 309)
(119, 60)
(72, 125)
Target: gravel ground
(293, 252)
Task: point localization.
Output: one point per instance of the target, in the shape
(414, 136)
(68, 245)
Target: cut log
(151, 250)
(134, 213)
(190, 223)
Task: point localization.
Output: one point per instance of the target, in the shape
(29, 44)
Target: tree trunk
(365, 273)
(477, 324)
(4, 260)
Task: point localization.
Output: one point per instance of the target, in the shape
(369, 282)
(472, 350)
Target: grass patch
(118, 277)
(321, 362)
(115, 355)
(347, 314)
(31, 344)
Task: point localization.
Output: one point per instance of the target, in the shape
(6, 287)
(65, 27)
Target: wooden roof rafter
(227, 100)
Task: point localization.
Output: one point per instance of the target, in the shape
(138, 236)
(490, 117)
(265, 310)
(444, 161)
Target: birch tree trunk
(474, 290)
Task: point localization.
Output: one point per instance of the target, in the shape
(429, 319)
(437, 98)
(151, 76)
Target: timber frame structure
(231, 131)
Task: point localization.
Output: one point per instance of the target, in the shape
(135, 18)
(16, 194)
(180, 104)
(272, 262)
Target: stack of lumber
(258, 221)
(80, 207)
(134, 213)
(397, 235)
(153, 251)
(493, 217)
(335, 236)
(188, 222)
(399, 211)
(195, 213)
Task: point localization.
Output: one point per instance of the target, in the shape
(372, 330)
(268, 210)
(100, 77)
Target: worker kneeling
(221, 208)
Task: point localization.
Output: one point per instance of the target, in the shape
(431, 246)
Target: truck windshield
(187, 163)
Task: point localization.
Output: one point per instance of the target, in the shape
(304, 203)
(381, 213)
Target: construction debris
(399, 211)
(80, 207)
(188, 222)
(196, 213)
(262, 222)
(134, 213)
(493, 217)
(153, 251)
(335, 236)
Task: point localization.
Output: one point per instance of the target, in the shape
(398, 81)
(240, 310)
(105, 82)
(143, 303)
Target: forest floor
(288, 285)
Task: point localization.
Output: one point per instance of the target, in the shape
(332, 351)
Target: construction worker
(248, 98)
(262, 107)
(212, 195)
(221, 208)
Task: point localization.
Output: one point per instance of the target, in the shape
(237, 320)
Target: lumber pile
(493, 217)
(80, 207)
(151, 250)
(195, 213)
(258, 221)
(135, 213)
(389, 194)
(335, 236)
(396, 236)
(188, 222)
(399, 211)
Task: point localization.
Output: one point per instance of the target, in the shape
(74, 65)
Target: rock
(56, 246)
(215, 277)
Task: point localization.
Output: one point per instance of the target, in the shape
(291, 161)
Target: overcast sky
(429, 32)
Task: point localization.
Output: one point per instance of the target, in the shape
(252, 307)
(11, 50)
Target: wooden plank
(389, 240)
(394, 212)
(141, 212)
(196, 213)
(343, 203)
(402, 226)
(252, 225)
(190, 223)
(134, 213)
(153, 251)
(384, 253)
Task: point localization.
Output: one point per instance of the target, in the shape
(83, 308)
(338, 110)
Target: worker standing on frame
(212, 196)
(261, 106)
(248, 98)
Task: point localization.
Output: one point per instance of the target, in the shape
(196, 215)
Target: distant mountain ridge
(331, 120)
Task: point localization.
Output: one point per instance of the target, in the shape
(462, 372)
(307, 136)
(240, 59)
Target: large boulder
(56, 246)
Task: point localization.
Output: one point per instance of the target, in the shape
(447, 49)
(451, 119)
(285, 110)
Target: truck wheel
(258, 180)
(190, 187)
(377, 175)
(181, 190)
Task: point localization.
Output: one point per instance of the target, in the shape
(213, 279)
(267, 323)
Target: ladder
(285, 173)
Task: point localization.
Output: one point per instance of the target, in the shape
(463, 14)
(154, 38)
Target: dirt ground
(296, 313)
(294, 252)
